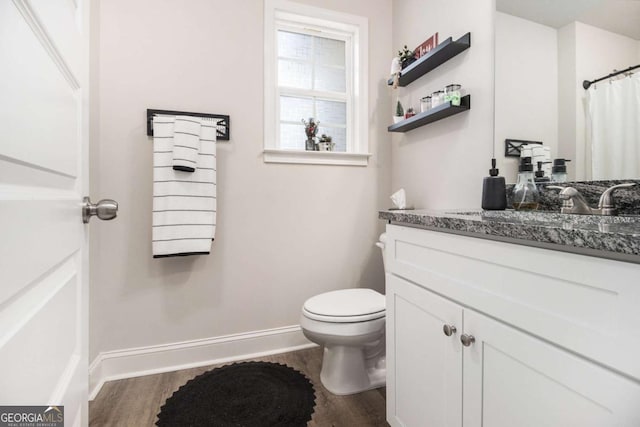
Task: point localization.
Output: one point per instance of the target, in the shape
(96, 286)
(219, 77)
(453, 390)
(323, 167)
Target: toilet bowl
(350, 325)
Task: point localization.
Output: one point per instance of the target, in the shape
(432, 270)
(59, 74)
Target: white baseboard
(135, 362)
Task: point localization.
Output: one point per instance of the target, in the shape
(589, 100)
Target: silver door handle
(105, 209)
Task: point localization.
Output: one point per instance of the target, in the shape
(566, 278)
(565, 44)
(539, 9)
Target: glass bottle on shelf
(525, 193)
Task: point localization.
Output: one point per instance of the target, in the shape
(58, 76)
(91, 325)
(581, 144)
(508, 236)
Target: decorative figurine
(311, 129)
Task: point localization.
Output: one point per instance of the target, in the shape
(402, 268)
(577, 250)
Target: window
(315, 66)
(312, 82)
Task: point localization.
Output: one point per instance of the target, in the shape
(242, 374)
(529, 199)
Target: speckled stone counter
(614, 237)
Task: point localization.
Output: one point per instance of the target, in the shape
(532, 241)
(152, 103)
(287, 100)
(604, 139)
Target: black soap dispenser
(494, 192)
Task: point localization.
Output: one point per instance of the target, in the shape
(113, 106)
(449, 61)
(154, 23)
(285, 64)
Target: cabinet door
(424, 366)
(514, 379)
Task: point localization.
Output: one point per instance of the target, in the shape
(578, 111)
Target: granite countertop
(614, 237)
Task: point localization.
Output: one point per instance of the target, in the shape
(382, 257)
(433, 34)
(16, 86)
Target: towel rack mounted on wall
(224, 125)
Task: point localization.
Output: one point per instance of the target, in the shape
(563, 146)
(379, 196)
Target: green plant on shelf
(405, 54)
(399, 109)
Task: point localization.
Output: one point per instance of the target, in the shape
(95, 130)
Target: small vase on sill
(310, 145)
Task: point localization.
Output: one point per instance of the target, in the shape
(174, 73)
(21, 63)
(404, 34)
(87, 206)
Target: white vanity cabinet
(556, 336)
(424, 367)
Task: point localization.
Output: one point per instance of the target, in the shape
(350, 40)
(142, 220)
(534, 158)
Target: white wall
(526, 86)
(441, 165)
(567, 92)
(285, 232)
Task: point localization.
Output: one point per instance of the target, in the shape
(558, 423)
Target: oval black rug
(248, 394)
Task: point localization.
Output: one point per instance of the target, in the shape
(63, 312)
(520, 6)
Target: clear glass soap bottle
(559, 170)
(525, 193)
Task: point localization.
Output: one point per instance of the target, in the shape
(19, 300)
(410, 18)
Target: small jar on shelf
(437, 98)
(452, 94)
(425, 104)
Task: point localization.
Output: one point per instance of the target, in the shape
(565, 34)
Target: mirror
(544, 49)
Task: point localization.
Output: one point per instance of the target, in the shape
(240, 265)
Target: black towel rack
(224, 126)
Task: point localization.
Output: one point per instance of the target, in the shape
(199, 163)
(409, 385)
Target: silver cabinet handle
(449, 330)
(105, 209)
(467, 340)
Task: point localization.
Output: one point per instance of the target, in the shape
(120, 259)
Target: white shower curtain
(613, 128)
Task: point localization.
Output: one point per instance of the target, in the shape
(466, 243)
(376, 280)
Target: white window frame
(287, 15)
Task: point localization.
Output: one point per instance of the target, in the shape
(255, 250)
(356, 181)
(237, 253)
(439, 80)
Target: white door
(43, 177)
(513, 379)
(424, 366)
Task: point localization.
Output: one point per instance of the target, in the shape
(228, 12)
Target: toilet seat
(345, 306)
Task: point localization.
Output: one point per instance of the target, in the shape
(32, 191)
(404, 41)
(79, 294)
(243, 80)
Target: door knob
(449, 330)
(467, 340)
(105, 209)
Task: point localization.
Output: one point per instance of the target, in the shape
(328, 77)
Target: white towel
(184, 203)
(186, 143)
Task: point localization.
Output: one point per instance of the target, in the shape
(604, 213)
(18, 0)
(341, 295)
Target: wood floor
(135, 402)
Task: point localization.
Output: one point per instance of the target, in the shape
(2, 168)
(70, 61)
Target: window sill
(316, 157)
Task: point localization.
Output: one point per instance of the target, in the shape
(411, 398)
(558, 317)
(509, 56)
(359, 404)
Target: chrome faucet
(574, 203)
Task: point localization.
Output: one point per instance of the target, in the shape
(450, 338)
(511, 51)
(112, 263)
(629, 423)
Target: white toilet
(350, 324)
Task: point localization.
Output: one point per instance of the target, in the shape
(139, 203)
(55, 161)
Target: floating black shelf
(433, 115)
(436, 57)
